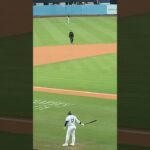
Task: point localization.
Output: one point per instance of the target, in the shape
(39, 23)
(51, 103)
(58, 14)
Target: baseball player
(71, 37)
(70, 123)
(68, 19)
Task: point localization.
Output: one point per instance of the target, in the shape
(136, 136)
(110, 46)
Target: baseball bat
(90, 122)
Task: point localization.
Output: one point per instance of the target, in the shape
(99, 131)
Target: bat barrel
(91, 122)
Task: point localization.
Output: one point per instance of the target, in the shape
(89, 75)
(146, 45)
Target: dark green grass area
(49, 116)
(87, 30)
(16, 75)
(9, 141)
(131, 147)
(97, 74)
(134, 72)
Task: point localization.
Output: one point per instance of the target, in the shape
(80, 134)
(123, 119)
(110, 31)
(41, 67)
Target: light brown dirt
(77, 93)
(52, 54)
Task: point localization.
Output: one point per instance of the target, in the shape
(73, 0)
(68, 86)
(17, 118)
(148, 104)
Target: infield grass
(87, 30)
(97, 74)
(49, 114)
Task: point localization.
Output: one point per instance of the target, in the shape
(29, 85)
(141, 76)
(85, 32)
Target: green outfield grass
(97, 74)
(49, 114)
(54, 31)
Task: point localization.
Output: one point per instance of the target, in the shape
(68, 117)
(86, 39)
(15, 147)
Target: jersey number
(72, 120)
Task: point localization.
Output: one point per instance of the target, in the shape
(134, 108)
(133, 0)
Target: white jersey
(72, 120)
(68, 19)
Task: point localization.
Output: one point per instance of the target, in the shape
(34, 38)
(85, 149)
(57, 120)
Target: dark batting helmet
(69, 113)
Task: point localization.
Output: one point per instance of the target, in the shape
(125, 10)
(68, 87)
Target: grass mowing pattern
(97, 74)
(48, 123)
(87, 30)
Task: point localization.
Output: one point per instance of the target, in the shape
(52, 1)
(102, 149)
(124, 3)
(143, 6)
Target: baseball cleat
(72, 144)
(65, 144)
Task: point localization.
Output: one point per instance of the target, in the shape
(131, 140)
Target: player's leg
(67, 137)
(73, 137)
(71, 40)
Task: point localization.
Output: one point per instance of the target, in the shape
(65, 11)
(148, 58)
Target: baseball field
(81, 77)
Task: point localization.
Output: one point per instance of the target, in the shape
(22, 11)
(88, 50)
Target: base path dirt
(52, 54)
(76, 93)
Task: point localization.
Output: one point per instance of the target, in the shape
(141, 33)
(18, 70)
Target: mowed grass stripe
(44, 34)
(54, 31)
(103, 28)
(84, 31)
(104, 31)
(37, 34)
(111, 21)
(59, 31)
(77, 30)
(97, 74)
(81, 34)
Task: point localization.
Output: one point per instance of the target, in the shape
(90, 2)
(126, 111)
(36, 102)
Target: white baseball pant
(70, 131)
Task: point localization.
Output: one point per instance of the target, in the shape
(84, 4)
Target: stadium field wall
(63, 10)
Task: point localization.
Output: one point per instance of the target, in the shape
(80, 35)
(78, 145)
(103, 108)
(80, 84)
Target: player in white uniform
(70, 122)
(68, 19)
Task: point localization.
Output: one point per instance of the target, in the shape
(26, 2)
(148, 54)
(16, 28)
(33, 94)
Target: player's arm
(72, 34)
(65, 124)
(79, 122)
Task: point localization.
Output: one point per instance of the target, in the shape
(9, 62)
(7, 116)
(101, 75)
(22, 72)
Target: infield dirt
(52, 54)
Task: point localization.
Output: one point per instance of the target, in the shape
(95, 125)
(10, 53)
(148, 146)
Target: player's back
(71, 35)
(72, 120)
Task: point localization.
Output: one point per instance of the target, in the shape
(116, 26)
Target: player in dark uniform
(71, 36)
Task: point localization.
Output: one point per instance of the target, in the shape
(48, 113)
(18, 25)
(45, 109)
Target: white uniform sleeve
(78, 121)
(67, 119)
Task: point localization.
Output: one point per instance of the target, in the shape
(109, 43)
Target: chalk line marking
(45, 104)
